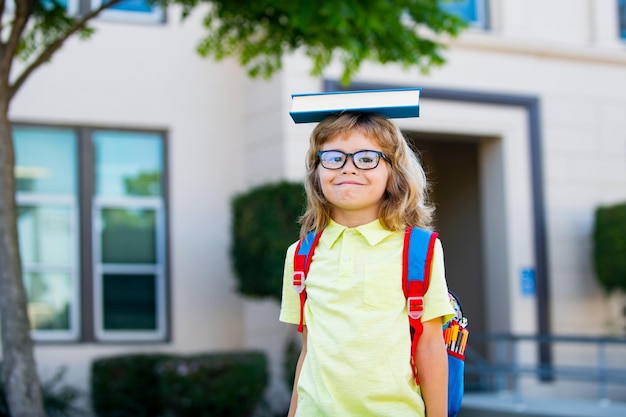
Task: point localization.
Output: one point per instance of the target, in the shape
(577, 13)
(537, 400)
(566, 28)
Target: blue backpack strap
(301, 264)
(416, 266)
(417, 257)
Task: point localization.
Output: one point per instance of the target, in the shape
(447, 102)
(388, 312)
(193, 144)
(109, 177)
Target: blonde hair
(405, 201)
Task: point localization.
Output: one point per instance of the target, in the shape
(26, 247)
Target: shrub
(609, 247)
(127, 386)
(225, 385)
(265, 223)
(58, 400)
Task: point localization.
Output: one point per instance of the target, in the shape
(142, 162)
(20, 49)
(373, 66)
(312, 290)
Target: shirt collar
(373, 232)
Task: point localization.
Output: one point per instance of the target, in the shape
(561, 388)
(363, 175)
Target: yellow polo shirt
(358, 345)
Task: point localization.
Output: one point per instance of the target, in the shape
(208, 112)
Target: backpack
(416, 267)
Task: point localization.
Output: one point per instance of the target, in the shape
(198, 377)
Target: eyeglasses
(365, 159)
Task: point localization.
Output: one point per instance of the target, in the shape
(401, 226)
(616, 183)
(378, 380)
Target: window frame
(86, 272)
(70, 200)
(159, 269)
(27, 199)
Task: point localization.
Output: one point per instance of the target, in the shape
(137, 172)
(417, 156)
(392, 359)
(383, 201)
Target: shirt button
(346, 258)
(350, 234)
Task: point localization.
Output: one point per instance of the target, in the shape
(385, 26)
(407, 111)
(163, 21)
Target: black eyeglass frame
(351, 155)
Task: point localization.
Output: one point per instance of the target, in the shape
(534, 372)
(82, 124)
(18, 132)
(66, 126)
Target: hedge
(127, 385)
(265, 223)
(154, 385)
(225, 385)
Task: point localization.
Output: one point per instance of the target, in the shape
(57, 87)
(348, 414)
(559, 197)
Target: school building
(130, 146)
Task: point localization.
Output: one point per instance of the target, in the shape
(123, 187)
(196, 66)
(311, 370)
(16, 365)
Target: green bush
(265, 223)
(224, 385)
(127, 386)
(156, 385)
(58, 400)
(609, 247)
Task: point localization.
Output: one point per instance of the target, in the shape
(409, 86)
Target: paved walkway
(504, 405)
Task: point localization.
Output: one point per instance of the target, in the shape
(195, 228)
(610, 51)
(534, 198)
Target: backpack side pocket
(456, 383)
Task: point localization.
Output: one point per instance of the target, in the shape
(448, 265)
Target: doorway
(452, 169)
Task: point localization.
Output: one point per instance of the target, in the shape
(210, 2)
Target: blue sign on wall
(527, 281)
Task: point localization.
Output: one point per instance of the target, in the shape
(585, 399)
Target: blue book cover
(391, 103)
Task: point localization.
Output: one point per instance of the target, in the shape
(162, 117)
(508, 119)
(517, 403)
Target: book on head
(391, 103)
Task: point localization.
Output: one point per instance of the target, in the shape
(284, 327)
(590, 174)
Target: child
(364, 185)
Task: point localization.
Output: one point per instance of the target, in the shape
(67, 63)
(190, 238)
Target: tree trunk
(19, 371)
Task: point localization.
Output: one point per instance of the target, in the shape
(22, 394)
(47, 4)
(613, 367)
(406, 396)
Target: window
(621, 13)
(92, 232)
(139, 11)
(47, 197)
(472, 11)
(71, 6)
(129, 231)
(136, 11)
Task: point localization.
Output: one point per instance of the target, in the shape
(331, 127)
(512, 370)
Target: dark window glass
(130, 302)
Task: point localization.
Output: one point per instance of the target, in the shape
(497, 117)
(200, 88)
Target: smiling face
(355, 195)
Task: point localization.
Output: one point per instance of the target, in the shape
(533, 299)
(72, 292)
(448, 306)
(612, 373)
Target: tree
(259, 33)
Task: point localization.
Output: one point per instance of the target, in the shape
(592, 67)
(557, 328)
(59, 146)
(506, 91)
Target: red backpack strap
(301, 264)
(417, 256)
